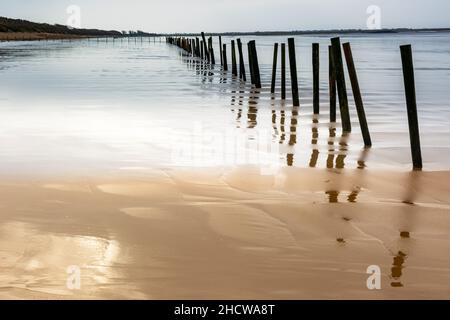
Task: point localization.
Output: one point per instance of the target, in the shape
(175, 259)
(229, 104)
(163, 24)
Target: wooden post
(202, 48)
(316, 79)
(211, 51)
(357, 94)
(205, 48)
(224, 55)
(283, 71)
(197, 41)
(411, 104)
(250, 63)
(255, 65)
(332, 85)
(341, 87)
(242, 74)
(220, 49)
(293, 68)
(274, 68)
(233, 59)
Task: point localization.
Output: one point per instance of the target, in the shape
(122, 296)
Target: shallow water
(85, 107)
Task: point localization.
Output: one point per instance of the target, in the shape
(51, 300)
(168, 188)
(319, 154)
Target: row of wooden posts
(203, 49)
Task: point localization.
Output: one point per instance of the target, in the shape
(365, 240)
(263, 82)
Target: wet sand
(227, 233)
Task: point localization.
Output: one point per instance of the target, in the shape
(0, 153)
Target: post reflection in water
(343, 149)
(314, 142)
(252, 112)
(337, 150)
(282, 126)
(331, 150)
(274, 120)
(353, 196)
(292, 136)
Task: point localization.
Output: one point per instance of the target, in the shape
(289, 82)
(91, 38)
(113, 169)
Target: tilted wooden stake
(357, 94)
(411, 104)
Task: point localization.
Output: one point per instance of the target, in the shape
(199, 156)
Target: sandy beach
(228, 233)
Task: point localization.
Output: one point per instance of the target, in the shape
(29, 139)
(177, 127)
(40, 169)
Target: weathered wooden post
(211, 52)
(255, 65)
(224, 55)
(316, 80)
(233, 59)
(293, 68)
(274, 68)
(202, 48)
(250, 63)
(197, 41)
(220, 49)
(283, 71)
(242, 74)
(411, 104)
(331, 85)
(341, 87)
(205, 48)
(357, 94)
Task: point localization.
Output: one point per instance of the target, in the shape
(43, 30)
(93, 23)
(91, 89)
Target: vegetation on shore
(8, 25)
(18, 29)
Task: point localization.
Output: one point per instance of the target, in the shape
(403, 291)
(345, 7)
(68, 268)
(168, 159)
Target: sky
(168, 16)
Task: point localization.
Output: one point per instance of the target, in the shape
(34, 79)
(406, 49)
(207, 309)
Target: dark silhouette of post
(202, 48)
(211, 51)
(205, 47)
(274, 68)
(411, 104)
(316, 80)
(331, 85)
(255, 65)
(283, 71)
(242, 74)
(220, 49)
(224, 55)
(357, 94)
(250, 63)
(341, 87)
(293, 68)
(197, 41)
(233, 59)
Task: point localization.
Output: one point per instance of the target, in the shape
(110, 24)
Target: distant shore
(316, 32)
(33, 36)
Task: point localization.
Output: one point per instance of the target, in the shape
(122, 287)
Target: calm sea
(128, 106)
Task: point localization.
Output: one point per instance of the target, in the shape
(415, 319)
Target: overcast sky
(232, 15)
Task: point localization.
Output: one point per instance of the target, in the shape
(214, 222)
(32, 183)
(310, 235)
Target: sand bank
(228, 233)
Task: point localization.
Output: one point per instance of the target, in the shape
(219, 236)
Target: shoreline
(37, 36)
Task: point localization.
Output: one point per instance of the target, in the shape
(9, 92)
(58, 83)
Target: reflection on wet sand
(331, 150)
(342, 153)
(200, 234)
(406, 223)
(252, 113)
(292, 137)
(314, 142)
